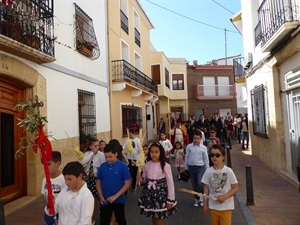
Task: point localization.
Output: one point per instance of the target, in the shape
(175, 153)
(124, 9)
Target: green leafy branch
(30, 123)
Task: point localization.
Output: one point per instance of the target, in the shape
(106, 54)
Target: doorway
(13, 181)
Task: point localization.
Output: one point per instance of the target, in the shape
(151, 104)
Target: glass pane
(7, 150)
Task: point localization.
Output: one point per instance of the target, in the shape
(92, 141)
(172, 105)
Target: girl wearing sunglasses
(219, 182)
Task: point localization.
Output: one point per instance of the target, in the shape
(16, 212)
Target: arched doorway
(13, 176)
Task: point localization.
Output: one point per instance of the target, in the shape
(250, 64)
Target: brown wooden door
(13, 176)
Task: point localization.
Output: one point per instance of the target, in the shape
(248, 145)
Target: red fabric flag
(43, 143)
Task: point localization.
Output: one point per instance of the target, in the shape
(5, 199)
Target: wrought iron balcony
(124, 22)
(277, 18)
(257, 33)
(214, 92)
(27, 29)
(124, 71)
(238, 69)
(137, 37)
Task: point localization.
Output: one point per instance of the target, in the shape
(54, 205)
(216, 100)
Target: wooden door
(13, 176)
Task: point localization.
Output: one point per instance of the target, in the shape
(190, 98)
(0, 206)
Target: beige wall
(272, 150)
(35, 84)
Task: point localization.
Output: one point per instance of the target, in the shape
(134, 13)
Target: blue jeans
(196, 174)
(245, 136)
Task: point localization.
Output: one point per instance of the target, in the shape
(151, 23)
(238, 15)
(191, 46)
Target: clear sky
(194, 29)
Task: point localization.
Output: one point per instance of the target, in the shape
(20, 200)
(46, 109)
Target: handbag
(185, 175)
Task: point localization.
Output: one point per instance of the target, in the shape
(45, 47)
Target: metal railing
(215, 91)
(238, 69)
(124, 71)
(257, 33)
(273, 14)
(137, 37)
(29, 22)
(124, 22)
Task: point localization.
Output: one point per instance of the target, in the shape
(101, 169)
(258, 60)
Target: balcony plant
(86, 48)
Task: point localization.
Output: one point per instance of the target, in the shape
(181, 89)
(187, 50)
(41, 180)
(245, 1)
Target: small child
(113, 180)
(166, 144)
(132, 149)
(57, 182)
(75, 203)
(219, 182)
(158, 183)
(92, 159)
(146, 151)
(179, 157)
(102, 144)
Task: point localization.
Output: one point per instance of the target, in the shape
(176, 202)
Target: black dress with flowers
(154, 197)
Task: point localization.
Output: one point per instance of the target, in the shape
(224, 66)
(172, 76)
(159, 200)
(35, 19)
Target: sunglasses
(215, 154)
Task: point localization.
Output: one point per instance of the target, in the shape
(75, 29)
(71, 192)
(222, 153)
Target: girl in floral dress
(179, 157)
(157, 199)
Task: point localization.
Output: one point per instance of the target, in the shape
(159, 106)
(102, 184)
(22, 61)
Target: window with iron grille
(131, 118)
(178, 82)
(86, 41)
(259, 111)
(87, 116)
(167, 81)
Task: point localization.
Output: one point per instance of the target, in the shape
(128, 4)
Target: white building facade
(58, 53)
(271, 37)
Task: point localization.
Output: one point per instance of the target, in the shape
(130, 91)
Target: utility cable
(189, 18)
(223, 7)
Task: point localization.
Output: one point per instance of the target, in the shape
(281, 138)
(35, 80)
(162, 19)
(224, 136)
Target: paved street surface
(277, 202)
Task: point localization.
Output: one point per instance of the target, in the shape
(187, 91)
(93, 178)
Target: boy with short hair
(75, 203)
(219, 182)
(166, 143)
(57, 183)
(113, 180)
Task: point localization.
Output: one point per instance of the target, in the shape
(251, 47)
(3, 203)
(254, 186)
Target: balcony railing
(124, 22)
(124, 71)
(29, 22)
(214, 92)
(273, 14)
(137, 37)
(257, 33)
(238, 69)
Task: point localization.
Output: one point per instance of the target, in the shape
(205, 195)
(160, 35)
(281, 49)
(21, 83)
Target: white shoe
(201, 201)
(196, 202)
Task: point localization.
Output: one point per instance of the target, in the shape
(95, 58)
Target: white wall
(72, 71)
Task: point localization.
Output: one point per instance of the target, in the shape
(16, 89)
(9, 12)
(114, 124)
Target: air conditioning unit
(249, 61)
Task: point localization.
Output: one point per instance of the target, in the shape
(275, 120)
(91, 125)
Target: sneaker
(201, 201)
(196, 203)
(179, 177)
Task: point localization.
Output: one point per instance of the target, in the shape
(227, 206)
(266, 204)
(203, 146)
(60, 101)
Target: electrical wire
(189, 18)
(223, 7)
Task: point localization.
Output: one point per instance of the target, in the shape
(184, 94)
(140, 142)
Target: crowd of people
(100, 181)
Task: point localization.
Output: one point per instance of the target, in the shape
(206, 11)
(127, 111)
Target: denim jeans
(196, 174)
(245, 136)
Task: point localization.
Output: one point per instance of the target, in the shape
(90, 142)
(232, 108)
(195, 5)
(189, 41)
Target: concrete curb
(246, 210)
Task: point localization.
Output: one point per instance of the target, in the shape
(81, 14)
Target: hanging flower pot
(85, 51)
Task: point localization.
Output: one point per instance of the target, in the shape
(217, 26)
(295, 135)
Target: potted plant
(86, 48)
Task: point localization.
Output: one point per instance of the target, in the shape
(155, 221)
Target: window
(86, 41)
(155, 70)
(123, 15)
(167, 78)
(87, 116)
(259, 111)
(137, 35)
(209, 86)
(223, 86)
(178, 82)
(131, 118)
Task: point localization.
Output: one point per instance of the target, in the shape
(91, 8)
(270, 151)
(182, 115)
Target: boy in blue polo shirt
(113, 180)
